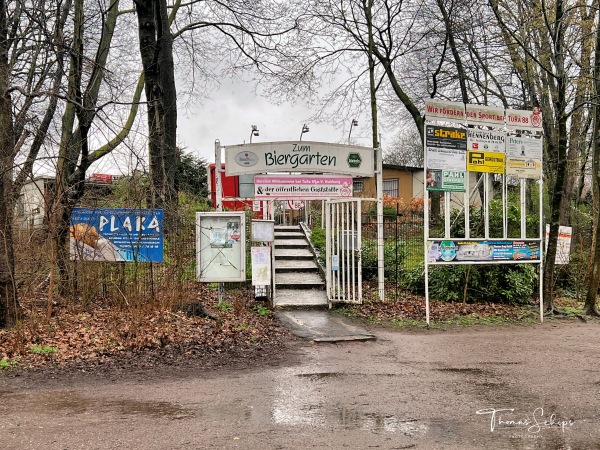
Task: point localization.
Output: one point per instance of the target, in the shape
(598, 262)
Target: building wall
(405, 184)
(31, 206)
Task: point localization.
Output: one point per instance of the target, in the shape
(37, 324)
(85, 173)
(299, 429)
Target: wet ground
(511, 387)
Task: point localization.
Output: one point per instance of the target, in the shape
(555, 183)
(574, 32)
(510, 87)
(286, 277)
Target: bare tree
(592, 291)
(543, 54)
(156, 49)
(32, 52)
(405, 150)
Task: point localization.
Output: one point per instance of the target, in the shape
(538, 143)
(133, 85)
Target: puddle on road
(319, 415)
(156, 410)
(467, 370)
(319, 376)
(70, 404)
(300, 400)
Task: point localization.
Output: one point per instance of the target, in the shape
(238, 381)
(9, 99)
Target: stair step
(299, 280)
(289, 236)
(283, 265)
(293, 253)
(291, 297)
(287, 229)
(291, 243)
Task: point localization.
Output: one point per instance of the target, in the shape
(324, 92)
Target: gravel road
(509, 387)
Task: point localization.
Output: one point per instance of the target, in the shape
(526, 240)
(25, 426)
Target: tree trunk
(9, 304)
(156, 49)
(592, 291)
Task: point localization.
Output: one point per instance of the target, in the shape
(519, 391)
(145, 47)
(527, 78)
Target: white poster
(520, 119)
(261, 266)
(446, 159)
(486, 140)
(444, 110)
(220, 246)
(524, 157)
(263, 230)
(563, 248)
(485, 115)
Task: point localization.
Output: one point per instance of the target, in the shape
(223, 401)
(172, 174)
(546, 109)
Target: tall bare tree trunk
(592, 292)
(156, 49)
(9, 304)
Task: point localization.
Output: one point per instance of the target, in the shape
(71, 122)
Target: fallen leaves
(99, 334)
(407, 306)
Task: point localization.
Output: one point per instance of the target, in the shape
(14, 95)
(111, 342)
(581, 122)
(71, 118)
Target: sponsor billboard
(450, 251)
(488, 162)
(524, 157)
(109, 234)
(446, 150)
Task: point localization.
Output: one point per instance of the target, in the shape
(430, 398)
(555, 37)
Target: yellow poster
(489, 162)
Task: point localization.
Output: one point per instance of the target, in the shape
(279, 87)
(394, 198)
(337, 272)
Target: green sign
(354, 159)
(453, 181)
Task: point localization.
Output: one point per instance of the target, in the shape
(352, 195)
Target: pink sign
(302, 186)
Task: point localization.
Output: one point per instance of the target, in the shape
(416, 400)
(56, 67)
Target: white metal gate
(343, 251)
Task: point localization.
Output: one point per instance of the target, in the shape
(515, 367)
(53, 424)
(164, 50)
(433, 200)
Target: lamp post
(253, 132)
(354, 123)
(305, 129)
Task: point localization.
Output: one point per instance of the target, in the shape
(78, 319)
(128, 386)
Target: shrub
(498, 283)
(394, 255)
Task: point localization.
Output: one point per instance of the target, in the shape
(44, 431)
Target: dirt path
(429, 390)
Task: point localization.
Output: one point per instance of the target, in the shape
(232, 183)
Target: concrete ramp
(322, 326)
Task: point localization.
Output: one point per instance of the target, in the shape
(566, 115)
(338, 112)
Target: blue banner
(494, 251)
(108, 234)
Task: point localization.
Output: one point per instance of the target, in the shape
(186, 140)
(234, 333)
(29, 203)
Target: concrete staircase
(298, 281)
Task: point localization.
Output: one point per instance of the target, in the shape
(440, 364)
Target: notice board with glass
(220, 246)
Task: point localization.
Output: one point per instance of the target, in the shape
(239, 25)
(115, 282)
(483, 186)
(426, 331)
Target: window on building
(390, 187)
(358, 186)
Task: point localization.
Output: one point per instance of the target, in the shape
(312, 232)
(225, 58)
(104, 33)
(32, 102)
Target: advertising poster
(487, 162)
(445, 180)
(220, 246)
(446, 158)
(563, 249)
(483, 251)
(524, 157)
(261, 266)
(486, 151)
(108, 234)
(486, 140)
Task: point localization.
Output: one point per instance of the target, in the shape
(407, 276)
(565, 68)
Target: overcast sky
(232, 109)
(228, 115)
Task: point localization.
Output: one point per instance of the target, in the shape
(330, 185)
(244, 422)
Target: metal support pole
(380, 241)
(218, 195)
(523, 208)
(542, 234)
(218, 184)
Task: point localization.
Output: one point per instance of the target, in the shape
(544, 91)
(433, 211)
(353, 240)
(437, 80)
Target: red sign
(101, 178)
